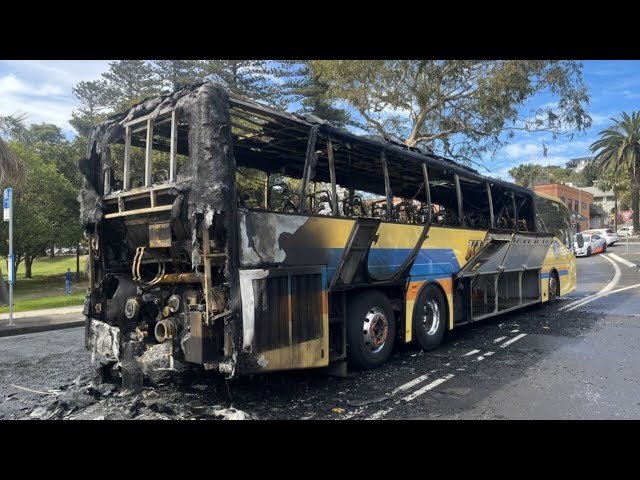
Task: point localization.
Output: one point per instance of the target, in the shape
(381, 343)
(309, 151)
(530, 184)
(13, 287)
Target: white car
(625, 231)
(587, 244)
(609, 235)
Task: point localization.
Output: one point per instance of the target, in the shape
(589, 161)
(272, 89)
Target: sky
(42, 90)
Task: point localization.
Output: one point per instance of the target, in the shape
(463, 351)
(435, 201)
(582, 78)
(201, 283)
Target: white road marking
(603, 295)
(514, 339)
(471, 353)
(379, 414)
(482, 357)
(514, 331)
(399, 389)
(357, 411)
(426, 388)
(410, 384)
(622, 260)
(610, 286)
(499, 339)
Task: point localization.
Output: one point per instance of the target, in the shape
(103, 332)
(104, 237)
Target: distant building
(577, 200)
(578, 164)
(599, 218)
(602, 198)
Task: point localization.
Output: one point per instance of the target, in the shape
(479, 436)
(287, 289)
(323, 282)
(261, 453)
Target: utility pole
(7, 207)
(77, 262)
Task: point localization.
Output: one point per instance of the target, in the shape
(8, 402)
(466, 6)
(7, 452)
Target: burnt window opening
(553, 217)
(410, 201)
(475, 204)
(503, 208)
(444, 198)
(526, 213)
(151, 152)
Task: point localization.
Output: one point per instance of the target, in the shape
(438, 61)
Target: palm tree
(618, 152)
(12, 168)
(15, 127)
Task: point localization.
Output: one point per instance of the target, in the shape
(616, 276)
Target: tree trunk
(615, 209)
(52, 252)
(28, 261)
(635, 198)
(4, 292)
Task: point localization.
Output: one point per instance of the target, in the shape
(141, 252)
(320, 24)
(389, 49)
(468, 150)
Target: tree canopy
(460, 108)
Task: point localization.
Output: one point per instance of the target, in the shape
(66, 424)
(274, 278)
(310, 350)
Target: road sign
(7, 199)
(626, 215)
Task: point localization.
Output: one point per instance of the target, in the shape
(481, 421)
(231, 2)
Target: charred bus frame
(185, 267)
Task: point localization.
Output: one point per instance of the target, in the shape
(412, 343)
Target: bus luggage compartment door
(285, 319)
(504, 274)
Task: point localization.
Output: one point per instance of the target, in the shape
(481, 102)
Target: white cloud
(42, 88)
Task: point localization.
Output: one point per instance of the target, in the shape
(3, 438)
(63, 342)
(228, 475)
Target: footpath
(41, 320)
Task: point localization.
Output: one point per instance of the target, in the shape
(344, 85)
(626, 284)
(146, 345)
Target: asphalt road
(577, 361)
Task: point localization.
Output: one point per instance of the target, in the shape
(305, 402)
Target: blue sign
(6, 203)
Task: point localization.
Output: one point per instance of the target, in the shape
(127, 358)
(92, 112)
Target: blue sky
(42, 90)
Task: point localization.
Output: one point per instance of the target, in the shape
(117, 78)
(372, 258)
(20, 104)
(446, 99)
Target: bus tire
(554, 287)
(429, 317)
(371, 329)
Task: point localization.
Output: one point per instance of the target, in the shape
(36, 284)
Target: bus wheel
(554, 288)
(429, 318)
(371, 329)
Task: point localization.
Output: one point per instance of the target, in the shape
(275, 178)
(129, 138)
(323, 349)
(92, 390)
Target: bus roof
(255, 127)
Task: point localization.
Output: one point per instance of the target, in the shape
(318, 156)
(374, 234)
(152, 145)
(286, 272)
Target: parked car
(609, 235)
(625, 231)
(587, 244)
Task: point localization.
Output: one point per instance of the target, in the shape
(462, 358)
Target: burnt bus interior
(160, 203)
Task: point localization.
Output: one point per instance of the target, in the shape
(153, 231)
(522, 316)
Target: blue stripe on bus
(429, 261)
(560, 272)
(383, 262)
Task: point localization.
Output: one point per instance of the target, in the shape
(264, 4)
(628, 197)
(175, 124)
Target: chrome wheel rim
(375, 329)
(431, 316)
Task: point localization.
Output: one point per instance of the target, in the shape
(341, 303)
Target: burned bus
(244, 239)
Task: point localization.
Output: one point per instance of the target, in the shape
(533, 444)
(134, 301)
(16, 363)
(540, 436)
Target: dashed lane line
(514, 339)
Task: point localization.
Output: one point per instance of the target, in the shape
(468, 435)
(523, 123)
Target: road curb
(10, 332)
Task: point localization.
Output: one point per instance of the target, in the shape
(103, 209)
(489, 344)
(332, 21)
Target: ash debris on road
(177, 397)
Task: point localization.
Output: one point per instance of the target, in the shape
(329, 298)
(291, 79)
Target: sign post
(7, 210)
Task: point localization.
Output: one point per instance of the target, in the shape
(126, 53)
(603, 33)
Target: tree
(93, 98)
(45, 209)
(250, 78)
(610, 180)
(303, 88)
(175, 74)
(618, 152)
(459, 108)
(128, 82)
(529, 174)
(11, 166)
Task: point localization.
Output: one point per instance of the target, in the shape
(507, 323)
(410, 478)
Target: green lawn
(46, 288)
(47, 276)
(47, 302)
(47, 267)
